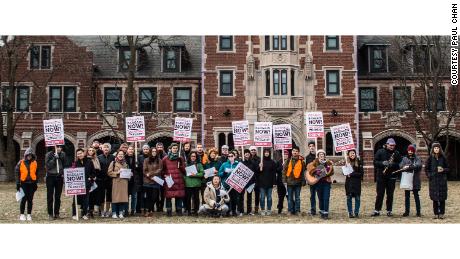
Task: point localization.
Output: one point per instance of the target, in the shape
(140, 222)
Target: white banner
(54, 132)
(342, 138)
(315, 124)
(282, 136)
(74, 179)
(241, 135)
(135, 129)
(183, 129)
(240, 177)
(263, 134)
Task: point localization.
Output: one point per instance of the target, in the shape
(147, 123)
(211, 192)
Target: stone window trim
(411, 93)
(289, 81)
(333, 68)
(155, 90)
(376, 90)
(291, 43)
(370, 49)
(28, 85)
(121, 49)
(63, 87)
(122, 93)
(219, 50)
(178, 52)
(175, 89)
(218, 73)
(40, 45)
(339, 48)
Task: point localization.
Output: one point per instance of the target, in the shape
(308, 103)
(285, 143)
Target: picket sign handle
(57, 160)
(135, 152)
(76, 206)
(180, 148)
(282, 154)
(242, 151)
(316, 145)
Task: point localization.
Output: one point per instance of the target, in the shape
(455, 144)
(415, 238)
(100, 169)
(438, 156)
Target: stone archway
(391, 133)
(159, 134)
(105, 133)
(452, 153)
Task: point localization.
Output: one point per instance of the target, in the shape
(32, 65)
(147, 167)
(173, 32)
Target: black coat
(267, 177)
(437, 181)
(250, 164)
(382, 155)
(353, 180)
(279, 173)
(310, 158)
(135, 182)
(105, 161)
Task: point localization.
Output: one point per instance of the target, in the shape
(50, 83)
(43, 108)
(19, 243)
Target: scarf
(173, 156)
(297, 168)
(97, 165)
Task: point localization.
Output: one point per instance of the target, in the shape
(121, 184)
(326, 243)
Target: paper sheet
(158, 180)
(191, 170)
(93, 187)
(125, 173)
(169, 181)
(346, 170)
(251, 188)
(209, 172)
(20, 194)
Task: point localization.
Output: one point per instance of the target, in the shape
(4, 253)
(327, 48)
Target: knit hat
(286, 152)
(145, 146)
(391, 141)
(436, 144)
(320, 151)
(411, 148)
(252, 148)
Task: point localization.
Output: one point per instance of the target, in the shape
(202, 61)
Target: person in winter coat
(140, 206)
(294, 179)
(26, 179)
(247, 161)
(54, 160)
(186, 149)
(103, 181)
(223, 154)
(153, 166)
(93, 196)
(202, 156)
(353, 183)
(135, 180)
(386, 161)
(193, 185)
(83, 200)
(174, 167)
(436, 169)
(212, 162)
(162, 154)
(119, 185)
(313, 187)
(280, 188)
(256, 160)
(266, 180)
(216, 199)
(322, 168)
(224, 172)
(412, 164)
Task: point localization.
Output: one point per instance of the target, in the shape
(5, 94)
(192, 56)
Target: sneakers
(29, 217)
(22, 217)
(441, 216)
(268, 212)
(375, 214)
(263, 213)
(85, 217)
(389, 214)
(51, 217)
(121, 216)
(74, 218)
(351, 216)
(114, 216)
(240, 215)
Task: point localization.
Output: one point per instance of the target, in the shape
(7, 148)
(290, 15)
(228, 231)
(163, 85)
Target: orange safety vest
(24, 172)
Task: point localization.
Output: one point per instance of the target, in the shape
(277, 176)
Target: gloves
(386, 163)
(18, 185)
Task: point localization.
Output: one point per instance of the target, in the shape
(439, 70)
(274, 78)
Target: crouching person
(215, 198)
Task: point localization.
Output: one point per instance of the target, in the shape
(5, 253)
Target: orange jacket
(24, 171)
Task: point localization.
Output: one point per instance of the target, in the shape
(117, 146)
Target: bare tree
(423, 62)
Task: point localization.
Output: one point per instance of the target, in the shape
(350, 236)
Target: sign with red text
(315, 124)
(135, 129)
(240, 177)
(263, 134)
(342, 138)
(282, 136)
(183, 129)
(241, 135)
(54, 132)
(74, 179)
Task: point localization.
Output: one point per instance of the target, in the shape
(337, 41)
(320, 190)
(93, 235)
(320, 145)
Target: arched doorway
(112, 140)
(41, 150)
(453, 154)
(17, 156)
(401, 144)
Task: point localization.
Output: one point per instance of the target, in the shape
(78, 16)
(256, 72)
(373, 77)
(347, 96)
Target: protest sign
(74, 179)
(342, 138)
(315, 124)
(263, 134)
(282, 136)
(239, 177)
(182, 129)
(241, 133)
(54, 132)
(135, 129)
(125, 173)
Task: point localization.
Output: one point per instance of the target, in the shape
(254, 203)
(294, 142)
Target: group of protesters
(146, 191)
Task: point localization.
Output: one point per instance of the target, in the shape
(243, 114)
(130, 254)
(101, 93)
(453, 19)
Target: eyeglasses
(230, 156)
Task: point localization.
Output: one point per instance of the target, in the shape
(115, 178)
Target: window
(332, 82)
(182, 100)
(367, 99)
(40, 57)
(267, 42)
(441, 106)
(5, 95)
(378, 59)
(292, 82)
(267, 82)
(292, 43)
(57, 100)
(283, 42)
(276, 43)
(226, 83)
(112, 100)
(330, 146)
(276, 82)
(147, 99)
(283, 82)
(226, 43)
(171, 59)
(401, 98)
(124, 56)
(22, 100)
(332, 42)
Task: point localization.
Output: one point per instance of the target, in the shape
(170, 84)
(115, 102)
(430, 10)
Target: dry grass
(9, 209)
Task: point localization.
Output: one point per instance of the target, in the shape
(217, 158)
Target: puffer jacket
(177, 174)
(437, 181)
(211, 195)
(224, 172)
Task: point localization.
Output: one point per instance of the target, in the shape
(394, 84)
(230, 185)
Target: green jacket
(194, 181)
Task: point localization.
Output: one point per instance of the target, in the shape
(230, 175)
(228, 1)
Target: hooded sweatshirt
(26, 170)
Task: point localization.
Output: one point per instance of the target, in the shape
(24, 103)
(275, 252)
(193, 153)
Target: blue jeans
(133, 200)
(119, 207)
(294, 198)
(350, 204)
(266, 192)
(324, 193)
(313, 192)
(178, 203)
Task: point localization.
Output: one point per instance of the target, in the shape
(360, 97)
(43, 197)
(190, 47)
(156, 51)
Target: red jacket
(177, 174)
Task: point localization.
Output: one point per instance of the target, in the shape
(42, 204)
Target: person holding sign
(212, 163)
(353, 183)
(249, 163)
(135, 182)
(436, 168)
(119, 185)
(96, 169)
(386, 161)
(153, 166)
(104, 182)
(412, 164)
(83, 199)
(216, 199)
(322, 169)
(174, 167)
(280, 188)
(26, 179)
(256, 160)
(294, 178)
(266, 180)
(193, 185)
(55, 162)
(224, 172)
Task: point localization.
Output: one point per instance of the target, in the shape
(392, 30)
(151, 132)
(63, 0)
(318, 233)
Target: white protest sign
(241, 135)
(346, 170)
(239, 177)
(135, 129)
(158, 180)
(169, 181)
(282, 136)
(209, 172)
(191, 170)
(125, 173)
(74, 179)
(342, 138)
(315, 124)
(182, 129)
(263, 134)
(54, 132)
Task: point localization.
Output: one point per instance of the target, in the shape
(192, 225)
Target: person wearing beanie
(412, 164)
(174, 167)
(322, 169)
(26, 179)
(436, 169)
(256, 160)
(266, 180)
(386, 161)
(294, 179)
(353, 183)
(313, 187)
